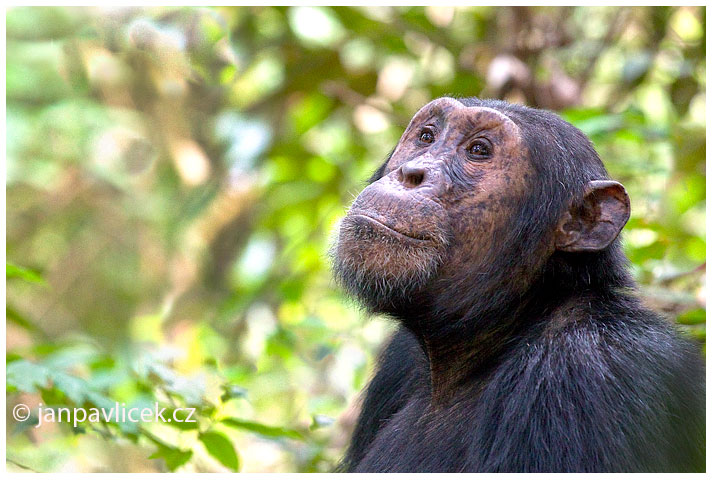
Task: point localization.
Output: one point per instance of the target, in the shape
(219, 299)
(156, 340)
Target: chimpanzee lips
(383, 224)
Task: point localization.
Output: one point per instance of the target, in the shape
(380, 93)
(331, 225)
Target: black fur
(570, 374)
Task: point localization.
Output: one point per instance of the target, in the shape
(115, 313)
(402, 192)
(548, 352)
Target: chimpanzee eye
(480, 149)
(426, 137)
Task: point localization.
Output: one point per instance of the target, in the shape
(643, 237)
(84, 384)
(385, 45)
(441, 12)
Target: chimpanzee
(491, 235)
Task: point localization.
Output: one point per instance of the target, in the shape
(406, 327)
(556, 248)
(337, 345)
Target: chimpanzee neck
(460, 367)
(464, 346)
(461, 349)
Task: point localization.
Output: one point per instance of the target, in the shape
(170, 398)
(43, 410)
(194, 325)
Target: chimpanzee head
(477, 199)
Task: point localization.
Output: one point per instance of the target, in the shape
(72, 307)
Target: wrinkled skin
(437, 207)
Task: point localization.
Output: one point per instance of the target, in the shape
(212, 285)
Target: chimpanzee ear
(595, 222)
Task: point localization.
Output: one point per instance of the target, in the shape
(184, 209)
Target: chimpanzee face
(448, 190)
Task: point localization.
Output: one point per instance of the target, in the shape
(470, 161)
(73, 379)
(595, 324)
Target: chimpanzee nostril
(411, 175)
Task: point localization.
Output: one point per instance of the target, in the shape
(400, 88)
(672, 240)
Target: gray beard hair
(370, 282)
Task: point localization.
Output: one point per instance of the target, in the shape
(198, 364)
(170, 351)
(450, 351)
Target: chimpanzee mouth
(384, 226)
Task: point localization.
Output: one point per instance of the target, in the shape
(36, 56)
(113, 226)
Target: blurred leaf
(74, 388)
(321, 421)
(260, 429)
(70, 355)
(221, 448)
(232, 391)
(32, 276)
(173, 457)
(18, 319)
(189, 389)
(26, 376)
(692, 317)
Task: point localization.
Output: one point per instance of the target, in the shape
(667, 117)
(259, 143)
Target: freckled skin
(491, 235)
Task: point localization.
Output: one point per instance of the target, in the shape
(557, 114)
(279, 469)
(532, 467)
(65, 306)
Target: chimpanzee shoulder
(402, 369)
(603, 386)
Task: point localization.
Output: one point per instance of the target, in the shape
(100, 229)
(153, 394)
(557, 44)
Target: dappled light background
(173, 176)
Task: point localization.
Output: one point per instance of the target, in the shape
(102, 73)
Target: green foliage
(173, 176)
(264, 430)
(56, 378)
(13, 271)
(220, 447)
(174, 457)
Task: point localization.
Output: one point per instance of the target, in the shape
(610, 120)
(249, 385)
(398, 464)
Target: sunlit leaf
(15, 271)
(692, 317)
(221, 448)
(173, 457)
(264, 430)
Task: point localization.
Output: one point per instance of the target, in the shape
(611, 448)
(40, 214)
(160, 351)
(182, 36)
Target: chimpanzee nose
(411, 174)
